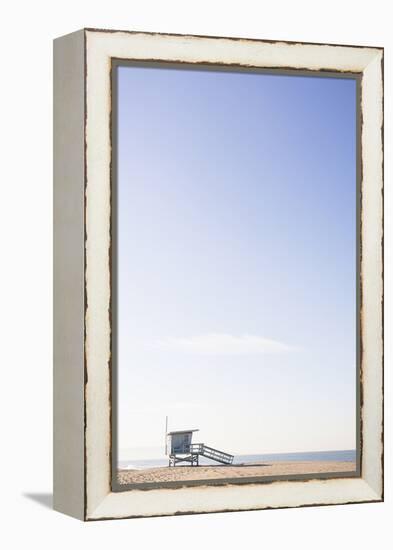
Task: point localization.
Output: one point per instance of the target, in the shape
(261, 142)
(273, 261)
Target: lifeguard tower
(180, 448)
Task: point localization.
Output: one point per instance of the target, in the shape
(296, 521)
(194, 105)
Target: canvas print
(235, 275)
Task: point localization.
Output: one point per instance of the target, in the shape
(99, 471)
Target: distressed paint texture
(101, 48)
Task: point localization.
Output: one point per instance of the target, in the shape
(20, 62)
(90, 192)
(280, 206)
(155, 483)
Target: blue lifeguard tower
(180, 448)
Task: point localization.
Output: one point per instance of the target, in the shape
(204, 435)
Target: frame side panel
(68, 242)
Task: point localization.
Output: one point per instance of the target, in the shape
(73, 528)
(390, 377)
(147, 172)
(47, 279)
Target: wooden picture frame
(83, 292)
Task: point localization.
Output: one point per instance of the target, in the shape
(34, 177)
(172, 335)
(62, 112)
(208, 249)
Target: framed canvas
(218, 267)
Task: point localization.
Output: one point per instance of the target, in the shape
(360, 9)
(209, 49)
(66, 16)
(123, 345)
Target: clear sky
(236, 260)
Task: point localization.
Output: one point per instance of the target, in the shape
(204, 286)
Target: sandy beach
(188, 473)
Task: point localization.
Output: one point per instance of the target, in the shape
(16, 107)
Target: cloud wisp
(224, 344)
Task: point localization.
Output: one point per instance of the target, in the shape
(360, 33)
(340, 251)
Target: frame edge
(68, 271)
(365, 489)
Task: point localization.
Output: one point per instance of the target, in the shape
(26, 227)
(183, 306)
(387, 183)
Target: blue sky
(236, 260)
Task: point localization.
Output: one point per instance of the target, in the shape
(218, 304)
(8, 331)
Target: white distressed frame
(100, 47)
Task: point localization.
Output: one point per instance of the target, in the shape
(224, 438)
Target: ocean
(342, 456)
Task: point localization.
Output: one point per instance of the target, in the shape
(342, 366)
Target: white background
(26, 273)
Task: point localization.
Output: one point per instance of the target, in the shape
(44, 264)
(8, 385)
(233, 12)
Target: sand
(256, 469)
